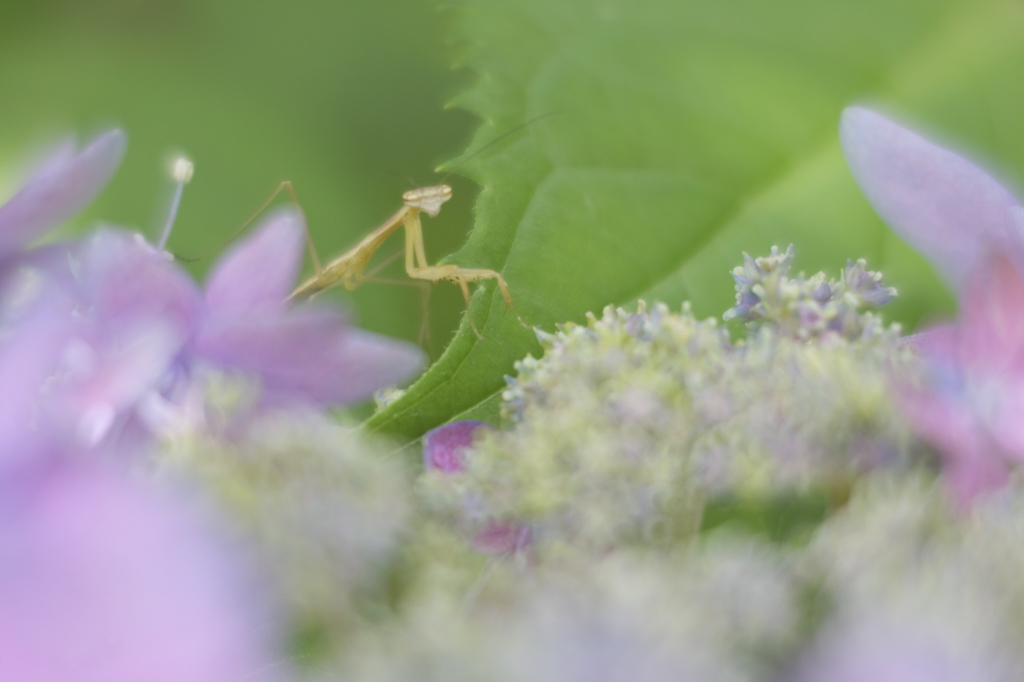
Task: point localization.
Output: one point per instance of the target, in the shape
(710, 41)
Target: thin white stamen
(182, 174)
(182, 171)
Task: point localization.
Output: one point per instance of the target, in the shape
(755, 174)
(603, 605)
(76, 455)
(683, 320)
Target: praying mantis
(348, 268)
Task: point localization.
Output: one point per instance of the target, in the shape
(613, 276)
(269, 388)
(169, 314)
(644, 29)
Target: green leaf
(688, 132)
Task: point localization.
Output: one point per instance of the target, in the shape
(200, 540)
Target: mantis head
(428, 199)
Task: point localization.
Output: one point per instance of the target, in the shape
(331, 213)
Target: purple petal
(875, 651)
(124, 278)
(308, 354)
(944, 206)
(371, 362)
(27, 359)
(104, 579)
(443, 447)
(260, 271)
(107, 376)
(65, 185)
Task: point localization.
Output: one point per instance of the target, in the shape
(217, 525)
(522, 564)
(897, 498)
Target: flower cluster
(629, 424)
(808, 307)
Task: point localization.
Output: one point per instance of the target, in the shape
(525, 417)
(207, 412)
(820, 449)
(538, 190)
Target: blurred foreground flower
(911, 591)
(972, 229)
(324, 505)
(715, 614)
(106, 579)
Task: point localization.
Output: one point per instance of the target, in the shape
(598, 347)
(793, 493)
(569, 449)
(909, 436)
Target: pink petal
(938, 340)
(103, 579)
(941, 204)
(260, 271)
(991, 329)
(443, 447)
(972, 464)
(65, 185)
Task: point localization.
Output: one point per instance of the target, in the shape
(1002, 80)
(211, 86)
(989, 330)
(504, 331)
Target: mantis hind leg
(463, 277)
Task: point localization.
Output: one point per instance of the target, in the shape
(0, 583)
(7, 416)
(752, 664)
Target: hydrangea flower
(307, 352)
(627, 425)
(145, 335)
(971, 228)
(444, 448)
(875, 651)
(26, 360)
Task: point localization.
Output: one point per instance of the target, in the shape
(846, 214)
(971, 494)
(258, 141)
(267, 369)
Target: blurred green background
(345, 99)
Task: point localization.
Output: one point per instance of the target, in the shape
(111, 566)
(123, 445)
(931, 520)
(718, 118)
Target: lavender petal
(259, 272)
(104, 578)
(308, 354)
(941, 204)
(64, 185)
